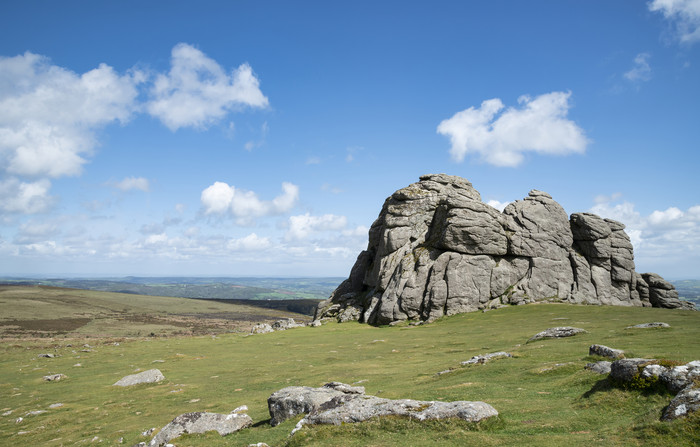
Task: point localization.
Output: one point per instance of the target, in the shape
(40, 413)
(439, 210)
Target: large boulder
(202, 422)
(436, 249)
(359, 408)
(294, 400)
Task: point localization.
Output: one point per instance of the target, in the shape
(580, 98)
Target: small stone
(58, 405)
(150, 376)
(558, 332)
(648, 325)
(55, 377)
(602, 367)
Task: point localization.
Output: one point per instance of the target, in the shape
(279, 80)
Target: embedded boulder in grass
(358, 408)
(655, 324)
(481, 359)
(558, 332)
(602, 367)
(150, 376)
(202, 422)
(294, 400)
(55, 377)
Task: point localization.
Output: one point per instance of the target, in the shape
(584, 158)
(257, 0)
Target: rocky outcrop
(436, 249)
(150, 376)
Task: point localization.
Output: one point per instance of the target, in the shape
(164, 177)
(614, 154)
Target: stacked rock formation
(436, 249)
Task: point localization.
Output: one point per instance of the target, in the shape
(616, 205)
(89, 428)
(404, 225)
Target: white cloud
(539, 126)
(684, 14)
(221, 198)
(641, 70)
(24, 197)
(48, 114)
(302, 226)
(198, 92)
(313, 161)
(252, 242)
(132, 183)
(500, 206)
(669, 236)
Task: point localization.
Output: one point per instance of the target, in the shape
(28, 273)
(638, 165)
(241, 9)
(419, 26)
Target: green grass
(543, 394)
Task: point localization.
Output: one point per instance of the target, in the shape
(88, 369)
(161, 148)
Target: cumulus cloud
(501, 137)
(500, 206)
(683, 14)
(641, 70)
(48, 114)
(198, 92)
(302, 226)
(670, 234)
(25, 197)
(134, 183)
(222, 198)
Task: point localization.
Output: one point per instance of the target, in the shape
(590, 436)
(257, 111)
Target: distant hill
(250, 288)
(689, 290)
(46, 311)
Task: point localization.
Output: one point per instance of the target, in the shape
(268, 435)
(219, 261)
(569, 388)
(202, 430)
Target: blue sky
(262, 137)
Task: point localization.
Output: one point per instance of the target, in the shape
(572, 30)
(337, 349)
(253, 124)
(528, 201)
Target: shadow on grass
(603, 385)
(264, 423)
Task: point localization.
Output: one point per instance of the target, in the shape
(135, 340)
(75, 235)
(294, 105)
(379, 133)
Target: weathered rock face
(436, 250)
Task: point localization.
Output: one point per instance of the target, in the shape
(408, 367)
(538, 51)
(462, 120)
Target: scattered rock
(294, 400)
(150, 376)
(678, 378)
(283, 325)
(48, 356)
(436, 249)
(686, 401)
(681, 380)
(200, 422)
(604, 351)
(648, 325)
(314, 323)
(36, 412)
(259, 444)
(602, 367)
(148, 432)
(261, 328)
(558, 332)
(480, 359)
(624, 370)
(55, 377)
(53, 406)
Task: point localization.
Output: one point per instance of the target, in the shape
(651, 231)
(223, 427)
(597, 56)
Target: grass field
(543, 394)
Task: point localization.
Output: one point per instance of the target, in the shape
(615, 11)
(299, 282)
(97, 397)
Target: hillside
(252, 288)
(543, 394)
(43, 311)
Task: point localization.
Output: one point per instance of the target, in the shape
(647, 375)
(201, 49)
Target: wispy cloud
(684, 15)
(133, 183)
(198, 92)
(304, 225)
(641, 71)
(501, 138)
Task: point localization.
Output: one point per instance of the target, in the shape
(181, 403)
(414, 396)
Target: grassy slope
(543, 394)
(46, 311)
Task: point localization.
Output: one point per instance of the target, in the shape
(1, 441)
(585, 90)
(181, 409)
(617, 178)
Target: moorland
(543, 394)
